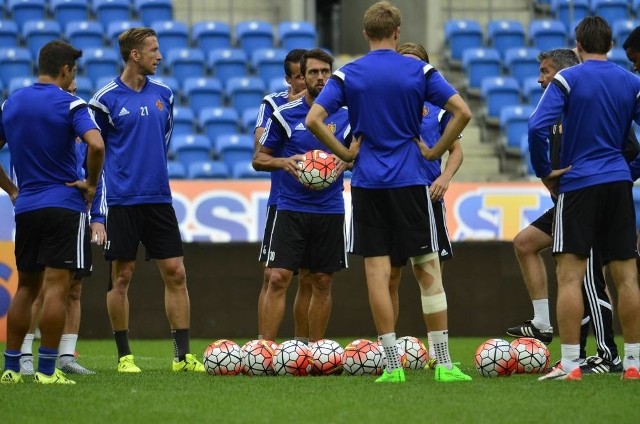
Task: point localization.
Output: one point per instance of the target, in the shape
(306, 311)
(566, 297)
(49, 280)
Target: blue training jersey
(285, 131)
(597, 101)
(136, 127)
(99, 206)
(434, 121)
(271, 102)
(40, 123)
(385, 93)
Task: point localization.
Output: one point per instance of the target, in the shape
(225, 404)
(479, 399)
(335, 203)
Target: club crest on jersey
(425, 111)
(332, 127)
(159, 105)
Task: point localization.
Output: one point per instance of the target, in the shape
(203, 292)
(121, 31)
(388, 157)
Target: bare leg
(72, 323)
(117, 297)
(55, 289)
(394, 284)
(275, 302)
(176, 295)
(378, 274)
(263, 291)
(625, 276)
(320, 306)
(301, 304)
(527, 245)
(20, 310)
(570, 308)
(436, 321)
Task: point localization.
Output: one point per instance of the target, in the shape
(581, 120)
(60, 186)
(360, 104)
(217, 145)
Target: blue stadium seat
(268, 63)
(532, 90)
(244, 170)
(569, 11)
(233, 148)
(38, 33)
(189, 148)
(8, 34)
(22, 11)
(621, 30)
(636, 204)
(547, 34)
(248, 119)
(15, 62)
(462, 34)
(65, 11)
(85, 34)
(514, 121)
(277, 85)
(84, 88)
(253, 35)
(151, 11)
(176, 170)
(19, 82)
(503, 34)
(210, 169)
(635, 8)
(201, 93)
(296, 35)
(5, 159)
(171, 35)
(185, 63)
(619, 56)
(211, 35)
(108, 11)
(526, 157)
(97, 63)
(479, 64)
(218, 121)
(227, 63)
(183, 121)
(115, 28)
(170, 82)
(522, 63)
(245, 92)
(498, 92)
(611, 10)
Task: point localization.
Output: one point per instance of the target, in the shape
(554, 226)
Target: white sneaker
(69, 365)
(26, 364)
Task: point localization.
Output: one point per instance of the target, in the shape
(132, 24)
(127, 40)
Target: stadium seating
(210, 35)
(268, 63)
(5, 159)
(183, 121)
(151, 11)
(503, 34)
(478, 64)
(277, 85)
(185, 63)
(115, 28)
(218, 121)
(201, 93)
(522, 63)
(248, 119)
(527, 168)
(621, 30)
(569, 11)
(85, 34)
(22, 11)
(611, 10)
(15, 62)
(227, 63)
(462, 34)
(108, 11)
(233, 148)
(618, 56)
(244, 169)
(190, 148)
(532, 90)
(65, 11)
(171, 35)
(245, 92)
(38, 33)
(8, 34)
(97, 63)
(208, 170)
(176, 170)
(253, 35)
(547, 34)
(19, 82)
(84, 88)
(296, 35)
(498, 92)
(514, 122)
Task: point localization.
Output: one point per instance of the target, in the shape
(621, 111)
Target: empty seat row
(211, 169)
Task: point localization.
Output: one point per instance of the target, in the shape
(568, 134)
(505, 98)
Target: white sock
(27, 344)
(441, 347)
(67, 344)
(432, 351)
(631, 356)
(390, 350)
(541, 314)
(570, 357)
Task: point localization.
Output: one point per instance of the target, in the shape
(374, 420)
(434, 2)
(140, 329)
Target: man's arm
(6, 184)
(460, 117)
(95, 159)
(440, 186)
(315, 123)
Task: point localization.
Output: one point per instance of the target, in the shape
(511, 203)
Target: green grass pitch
(160, 396)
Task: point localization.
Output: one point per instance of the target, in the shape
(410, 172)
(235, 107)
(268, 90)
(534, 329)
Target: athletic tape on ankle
(434, 303)
(417, 260)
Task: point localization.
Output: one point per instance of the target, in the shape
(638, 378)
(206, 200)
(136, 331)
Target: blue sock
(47, 360)
(12, 360)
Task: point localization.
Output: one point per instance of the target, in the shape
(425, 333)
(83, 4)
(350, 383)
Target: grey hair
(561, 58)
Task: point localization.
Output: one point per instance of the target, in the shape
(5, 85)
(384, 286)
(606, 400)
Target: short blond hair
(381, 20)
(133, 39)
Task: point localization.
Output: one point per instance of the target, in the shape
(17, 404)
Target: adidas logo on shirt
(300, 127)
(123, 111)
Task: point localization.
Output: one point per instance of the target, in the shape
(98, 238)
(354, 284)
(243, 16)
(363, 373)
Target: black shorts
(545, 222)
(153, 225)
(308, 240)
(266, 237)
(397, 220)
(602, 215)
(445, 251)
(54, 238)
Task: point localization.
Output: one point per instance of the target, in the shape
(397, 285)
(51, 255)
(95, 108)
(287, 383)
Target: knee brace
(434, 303)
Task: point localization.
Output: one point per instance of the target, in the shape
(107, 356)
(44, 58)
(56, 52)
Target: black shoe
(598, 365)
(529, 330)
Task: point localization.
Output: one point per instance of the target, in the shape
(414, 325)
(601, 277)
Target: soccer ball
(401, 353)
(223, 357)
(292, 358)
(327, 357)
(317, 170)
(257, 357)
(362, 357)
(495, 358)
(416, 352)
(532, 355)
